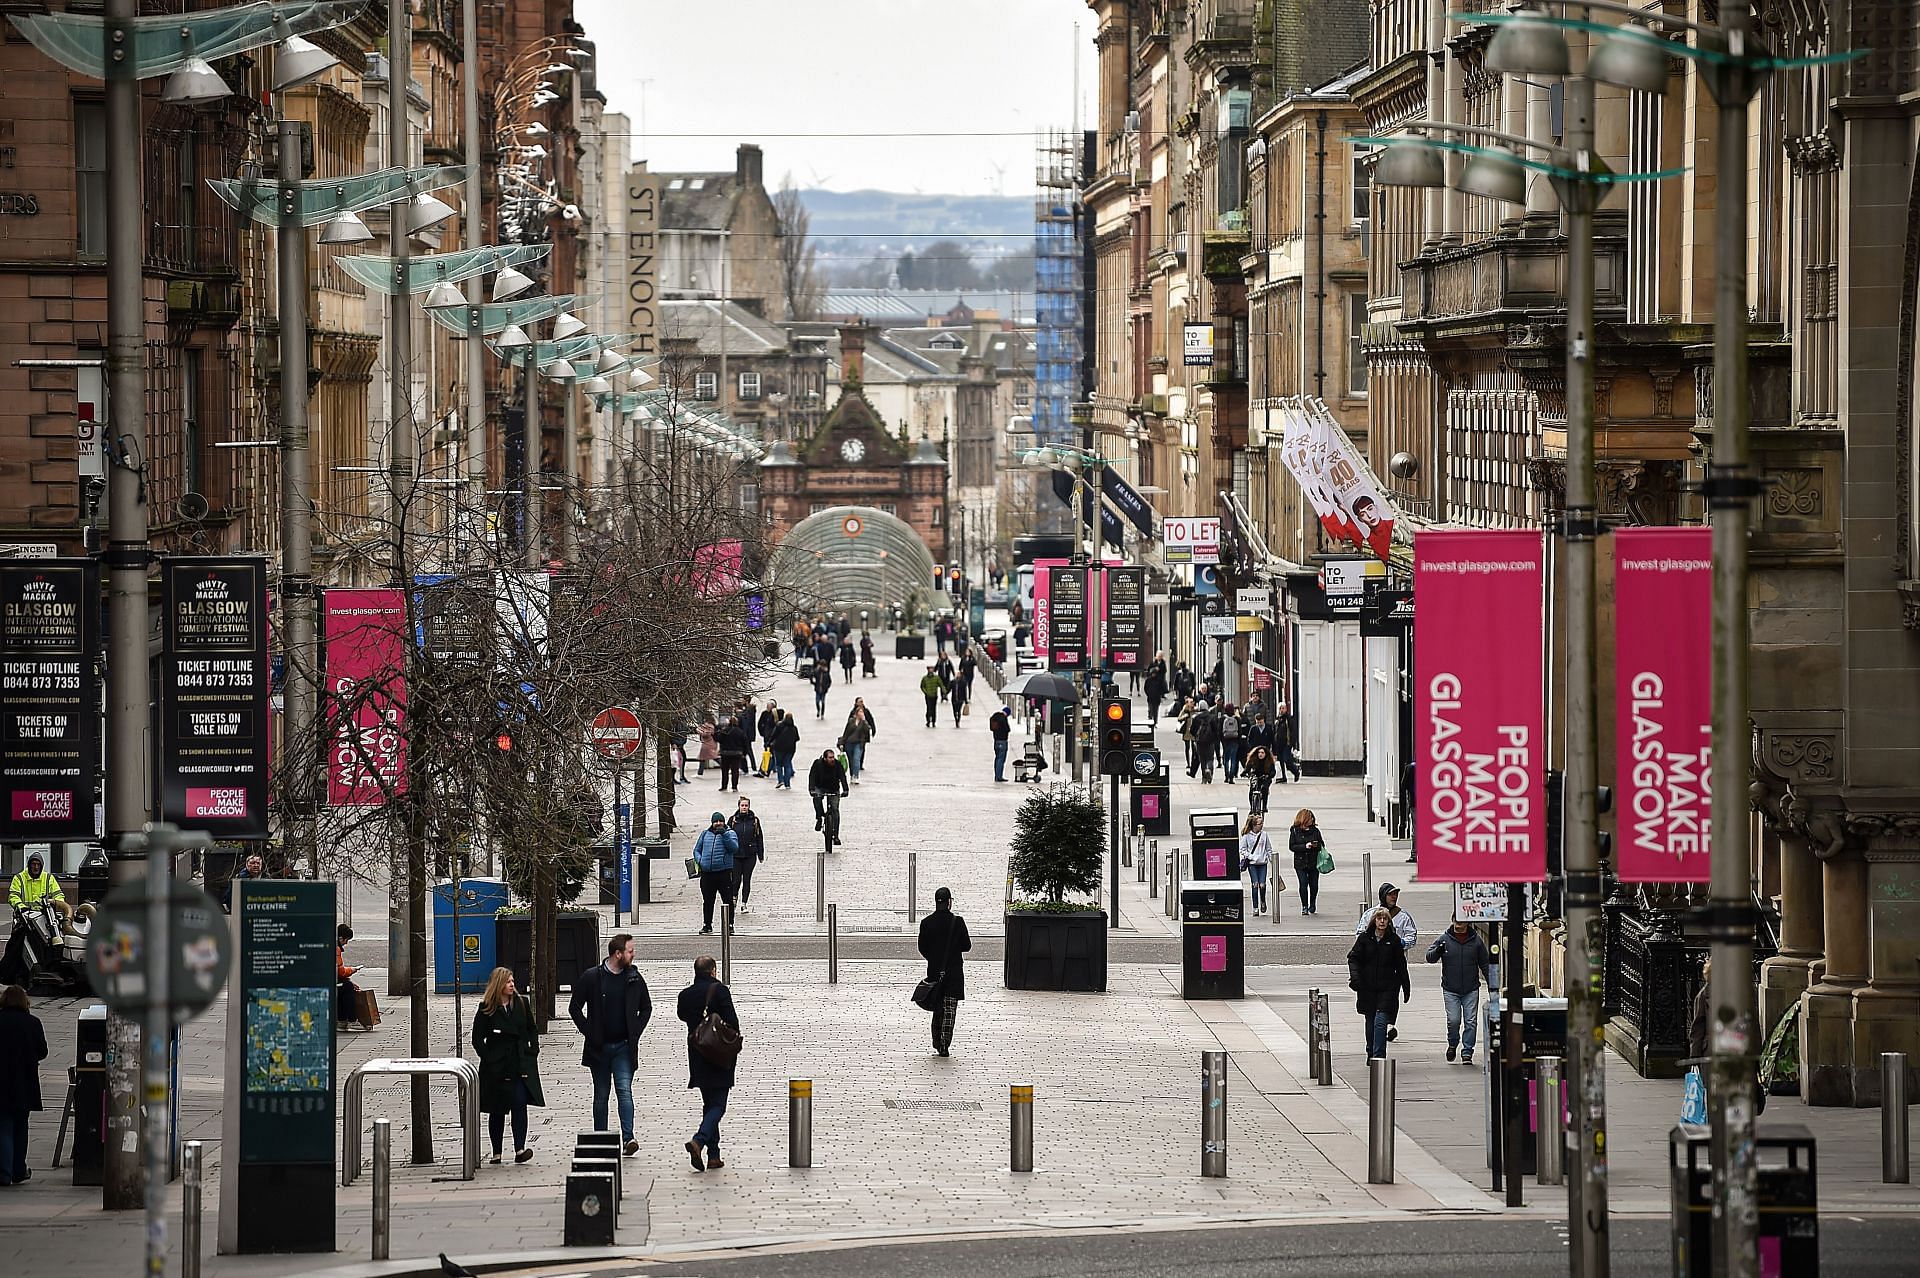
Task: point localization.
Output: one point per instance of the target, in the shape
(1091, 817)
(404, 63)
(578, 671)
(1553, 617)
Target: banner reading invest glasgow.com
(1663, 693)
(1479, 793)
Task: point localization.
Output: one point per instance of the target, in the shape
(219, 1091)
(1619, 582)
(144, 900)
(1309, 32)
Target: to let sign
(1191, 539)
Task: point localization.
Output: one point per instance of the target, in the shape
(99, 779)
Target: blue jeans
(13, 1146)
(1377, 1033)
(1462, 1008)
(1257, 877)
(783, 767)
(1000, 758)
(856, 756)
(713, 1107)
(614, 1068)
(1230, 756)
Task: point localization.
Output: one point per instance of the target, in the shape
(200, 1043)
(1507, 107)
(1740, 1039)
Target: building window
(1360, 196)
(936, 516)
(749, 386)
(706, 386)
(190, 442)
(1356, 358)
(90, 178)
(888, 508)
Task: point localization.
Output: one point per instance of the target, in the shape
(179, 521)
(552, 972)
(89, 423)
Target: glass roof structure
(846, 558)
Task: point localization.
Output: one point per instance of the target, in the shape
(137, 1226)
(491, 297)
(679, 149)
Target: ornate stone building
(851, 460)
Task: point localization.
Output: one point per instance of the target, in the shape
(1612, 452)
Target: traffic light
(1116, 734)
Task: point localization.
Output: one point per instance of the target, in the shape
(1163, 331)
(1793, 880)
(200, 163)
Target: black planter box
(576, 941)
(909, 647)
(1056, 951)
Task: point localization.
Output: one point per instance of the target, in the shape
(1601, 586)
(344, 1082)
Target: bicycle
(830, 816)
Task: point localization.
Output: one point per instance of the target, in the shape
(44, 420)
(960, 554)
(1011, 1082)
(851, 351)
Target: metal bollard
(726, 943)
(1366, 881)
(190, 1210)
(799, 1122)
(820, 886)
(1550, 1132)
(833, 943)
(1020, 1106)
(1325, 1077)
(1893, 1118)
(382, 1186)
(1313, 1033)
(1153, 871)
(1213, 1114)
(1380, 1121)
(1173, 884)
(913, 888)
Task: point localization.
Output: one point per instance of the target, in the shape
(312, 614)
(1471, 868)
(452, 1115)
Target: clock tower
(852, 460)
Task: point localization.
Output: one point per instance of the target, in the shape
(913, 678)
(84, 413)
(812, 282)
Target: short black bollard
(590, 1209)
(602, 1145)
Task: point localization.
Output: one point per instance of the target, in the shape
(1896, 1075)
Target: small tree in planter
(1057, 939)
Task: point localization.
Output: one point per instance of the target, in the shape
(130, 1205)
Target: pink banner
(1663, 700)
(716, 569)
(366, 695)
(1043, 604)
(1480, 790)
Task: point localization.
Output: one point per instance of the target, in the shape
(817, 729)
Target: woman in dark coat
(943, 939)
(508, 1044)
(713, 1081)
(1306, 843)
(23, 1045)
(745, 824)
(1156, 686)
(1377, 975)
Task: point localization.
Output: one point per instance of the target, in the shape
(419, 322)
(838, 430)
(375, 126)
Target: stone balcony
(1458, 289)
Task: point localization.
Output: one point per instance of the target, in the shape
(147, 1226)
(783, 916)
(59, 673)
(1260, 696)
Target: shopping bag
(843, 761)
(966, 708)
(1693, 1104)
(766, 760)
(693, 867)
(369, 1008)
(1325, 864)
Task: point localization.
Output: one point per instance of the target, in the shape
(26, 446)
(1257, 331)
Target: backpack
(1230, 729)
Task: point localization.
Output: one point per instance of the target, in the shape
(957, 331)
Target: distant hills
(911, 218)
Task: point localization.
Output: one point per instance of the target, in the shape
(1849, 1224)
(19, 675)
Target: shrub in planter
(1057, 936)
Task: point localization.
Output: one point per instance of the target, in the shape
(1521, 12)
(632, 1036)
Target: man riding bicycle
(827, 783)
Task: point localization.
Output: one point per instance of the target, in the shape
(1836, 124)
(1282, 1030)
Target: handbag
(717, 1042)
(966, 708)
(1325, 864)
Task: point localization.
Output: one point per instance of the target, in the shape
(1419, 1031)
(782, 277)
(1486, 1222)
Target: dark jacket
(1306, 843)
(752, 835)
(509, 1048)
(859, 729)
(1001, 724)
(1206, 726)
(1156, 683)
(694, 1000)
(23, 1045)
(846, 655)
(639, 1006)
(1462, 963)
(1377, 973)
(943, 939)
(766, 726)
(786, 737)
(1183, 682)
(826, 776)
(823, 680)
(734, 740)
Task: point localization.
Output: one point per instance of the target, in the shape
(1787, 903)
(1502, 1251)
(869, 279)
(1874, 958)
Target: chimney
(853, 346)
(747, 165)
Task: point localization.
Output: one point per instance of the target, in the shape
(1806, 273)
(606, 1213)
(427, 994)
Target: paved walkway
(910, 1145)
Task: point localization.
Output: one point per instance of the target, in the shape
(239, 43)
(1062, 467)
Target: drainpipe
(1320, 254)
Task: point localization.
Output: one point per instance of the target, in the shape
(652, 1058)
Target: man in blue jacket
(713, 852)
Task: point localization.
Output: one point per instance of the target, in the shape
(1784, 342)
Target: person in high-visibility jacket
(33, 885)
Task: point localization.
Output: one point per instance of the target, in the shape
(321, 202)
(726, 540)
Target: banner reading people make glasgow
(1478, 711)
(1663, 695)
(213, 696)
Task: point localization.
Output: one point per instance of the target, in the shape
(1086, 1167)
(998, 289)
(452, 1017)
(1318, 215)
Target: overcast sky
(751, 70)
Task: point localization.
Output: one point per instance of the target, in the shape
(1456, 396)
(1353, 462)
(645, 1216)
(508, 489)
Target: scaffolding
(1057, 306)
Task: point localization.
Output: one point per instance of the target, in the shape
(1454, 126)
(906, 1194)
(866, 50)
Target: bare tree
(799, 277)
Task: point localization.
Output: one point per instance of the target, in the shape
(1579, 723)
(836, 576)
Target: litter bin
(1213, 952)
(1152, 800)
(93, 875)
(645, 853)
(1544, 1034)
(477, 945)
(1213, 823)
(90, 1095)
(1789, 1200)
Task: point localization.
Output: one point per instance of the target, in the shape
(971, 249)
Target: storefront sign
(643, 257)
(365, 696)
(1255, 602)
(1663, 694)
(1067, 636)
(1386, 614)
(1126, 612)
(1127, 500)
(1481, 806)
(213, 696)
(49, 699)
(1480, 902)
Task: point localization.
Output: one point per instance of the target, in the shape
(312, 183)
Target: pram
(48, 948)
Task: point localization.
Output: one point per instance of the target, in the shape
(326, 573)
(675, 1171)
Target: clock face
(853, 450)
